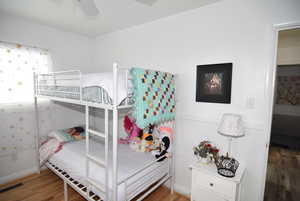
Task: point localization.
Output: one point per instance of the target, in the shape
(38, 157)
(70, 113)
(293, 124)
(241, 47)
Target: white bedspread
(72, 160)
(105, 80)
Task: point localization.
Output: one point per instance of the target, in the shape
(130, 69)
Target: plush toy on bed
(166, 135)
(148, 140)
(131, 129)
(135, 144)
(77, 132)
(144, 142)
(147, 136)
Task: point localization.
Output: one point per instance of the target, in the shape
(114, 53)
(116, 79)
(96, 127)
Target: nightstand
(208, 185)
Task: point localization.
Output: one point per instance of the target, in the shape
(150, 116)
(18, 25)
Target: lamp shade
(231, 125)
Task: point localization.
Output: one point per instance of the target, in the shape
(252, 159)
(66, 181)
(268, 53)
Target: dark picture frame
(214, 83)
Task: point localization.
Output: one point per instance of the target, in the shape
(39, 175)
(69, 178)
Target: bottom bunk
(69, 164)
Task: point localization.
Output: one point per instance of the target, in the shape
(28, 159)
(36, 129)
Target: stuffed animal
(166, 137)
(147, 139)
(151, 128)
(131, 129)
(127, 124)
(155, 144)
(135, 144)
(143, 141)
(139, 145)
(147, 136)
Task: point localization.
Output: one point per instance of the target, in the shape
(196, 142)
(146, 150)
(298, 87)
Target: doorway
(283, 168)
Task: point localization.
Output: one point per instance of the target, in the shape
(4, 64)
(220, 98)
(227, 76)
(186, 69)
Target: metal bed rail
(76, 185)
(135, 188)
(53, 86)
(156, 174)
(47, 83)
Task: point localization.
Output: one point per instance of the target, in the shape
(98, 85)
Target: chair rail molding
(248, 125)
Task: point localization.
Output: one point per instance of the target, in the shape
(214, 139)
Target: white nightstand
(208, 185)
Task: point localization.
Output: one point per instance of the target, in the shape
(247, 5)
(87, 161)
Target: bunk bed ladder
(90, 158)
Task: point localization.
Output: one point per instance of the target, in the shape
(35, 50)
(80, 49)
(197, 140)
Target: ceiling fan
(147, 2)
(90, 9)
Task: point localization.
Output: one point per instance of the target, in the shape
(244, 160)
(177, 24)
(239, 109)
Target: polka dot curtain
(17, 65)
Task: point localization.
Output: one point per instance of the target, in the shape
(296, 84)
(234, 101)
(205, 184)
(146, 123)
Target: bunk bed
(93, 173)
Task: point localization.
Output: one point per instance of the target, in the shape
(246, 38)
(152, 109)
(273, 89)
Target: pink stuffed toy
(131, 129)
(127, 124)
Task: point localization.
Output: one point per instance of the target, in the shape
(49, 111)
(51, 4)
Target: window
(17, 65)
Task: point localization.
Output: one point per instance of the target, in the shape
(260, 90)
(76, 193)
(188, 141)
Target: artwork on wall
(288, 90)
(214, 83)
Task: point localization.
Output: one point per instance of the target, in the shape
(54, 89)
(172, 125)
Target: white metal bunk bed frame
(85, 190)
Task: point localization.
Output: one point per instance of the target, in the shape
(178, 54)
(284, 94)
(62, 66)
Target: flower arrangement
(205, 150)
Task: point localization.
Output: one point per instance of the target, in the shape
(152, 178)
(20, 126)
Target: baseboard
(17, 175)
(182, 190)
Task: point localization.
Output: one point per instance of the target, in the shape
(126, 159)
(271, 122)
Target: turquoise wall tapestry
(154, 96)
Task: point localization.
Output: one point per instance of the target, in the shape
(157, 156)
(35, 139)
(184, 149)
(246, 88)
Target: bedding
(65, 136)
(61, 136)
(96, 87)
(154, 96)
(48, 148)
(57, 139)
(72, 159)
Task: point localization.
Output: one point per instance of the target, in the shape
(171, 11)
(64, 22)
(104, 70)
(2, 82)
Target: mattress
(71, 159)
(96, 87)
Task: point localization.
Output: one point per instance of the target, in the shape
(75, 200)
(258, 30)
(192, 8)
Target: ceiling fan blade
(147, 2)
(88, 7)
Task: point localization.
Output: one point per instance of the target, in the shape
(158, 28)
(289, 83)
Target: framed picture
(214, 83)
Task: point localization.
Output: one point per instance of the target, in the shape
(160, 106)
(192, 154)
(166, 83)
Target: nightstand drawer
(212, 183)
(206, 195)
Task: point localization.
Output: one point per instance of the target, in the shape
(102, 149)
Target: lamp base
(227, 166)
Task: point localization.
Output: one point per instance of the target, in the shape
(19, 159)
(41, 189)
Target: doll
(75, 132)
(165, 143)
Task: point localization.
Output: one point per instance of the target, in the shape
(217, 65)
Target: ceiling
(114, 14)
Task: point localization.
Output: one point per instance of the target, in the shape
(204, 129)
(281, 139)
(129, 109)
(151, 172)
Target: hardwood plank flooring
(49, 187)
(283, 175)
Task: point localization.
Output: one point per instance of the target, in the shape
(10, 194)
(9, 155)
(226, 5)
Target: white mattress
(105, 80)
(72, 160)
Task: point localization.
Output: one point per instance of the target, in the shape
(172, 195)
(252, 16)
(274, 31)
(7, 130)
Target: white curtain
(17, 120)
(17, 65)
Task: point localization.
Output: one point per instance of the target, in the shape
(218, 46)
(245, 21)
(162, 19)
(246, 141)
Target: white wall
(69, 51)
(237, 31)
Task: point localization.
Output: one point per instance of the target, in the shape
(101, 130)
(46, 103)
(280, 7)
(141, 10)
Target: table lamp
(231, 126)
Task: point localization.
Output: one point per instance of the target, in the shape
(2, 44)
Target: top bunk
(102, 90)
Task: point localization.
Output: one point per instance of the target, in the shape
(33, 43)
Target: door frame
(270, 90)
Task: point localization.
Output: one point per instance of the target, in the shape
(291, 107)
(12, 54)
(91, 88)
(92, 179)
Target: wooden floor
(283, 175)
(48, 187)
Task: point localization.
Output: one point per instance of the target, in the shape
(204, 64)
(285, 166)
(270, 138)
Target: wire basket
(227, 166)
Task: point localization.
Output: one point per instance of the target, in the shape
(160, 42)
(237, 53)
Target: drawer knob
(211, 184)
